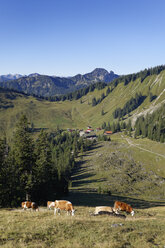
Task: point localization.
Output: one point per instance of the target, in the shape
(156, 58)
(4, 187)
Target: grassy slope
(42, 229)
(146, 228)
(96, 171)
(26, 229)
(73, 114)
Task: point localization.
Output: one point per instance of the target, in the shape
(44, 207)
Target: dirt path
(146, 150)
(86, 180)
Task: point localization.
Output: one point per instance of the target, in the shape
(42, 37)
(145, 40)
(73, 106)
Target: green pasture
(77, 113)
(42, 229)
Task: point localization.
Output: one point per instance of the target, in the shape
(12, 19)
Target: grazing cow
(103, 209)
(50, 204)
(63, 205)
(123, 207)
(30, 205)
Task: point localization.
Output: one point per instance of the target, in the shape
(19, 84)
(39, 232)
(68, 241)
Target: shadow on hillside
(94, 147)
(36, 130)
(81, 175)
(88, 198)
(81, 194)
(81, 183)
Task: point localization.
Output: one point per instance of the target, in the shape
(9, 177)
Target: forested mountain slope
(82, 112)
(44, 85)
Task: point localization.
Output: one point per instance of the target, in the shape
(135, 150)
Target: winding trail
(146, 150)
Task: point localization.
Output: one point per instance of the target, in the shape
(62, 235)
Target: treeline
(126, 79)
(152, 126)
(78, 93)
(101, 85)
(133, 103)
(117, 126)
(39, 169)
(69, 96)
(130, 105)
(100, 99)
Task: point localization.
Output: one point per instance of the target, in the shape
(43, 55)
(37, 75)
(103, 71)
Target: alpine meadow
(97, 145)
(82, 124)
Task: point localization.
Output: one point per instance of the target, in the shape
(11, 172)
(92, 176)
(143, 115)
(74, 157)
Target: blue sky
(67, 37)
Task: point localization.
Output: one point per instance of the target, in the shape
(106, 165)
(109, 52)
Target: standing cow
(63, 205)
(29, 205)
(123, 207)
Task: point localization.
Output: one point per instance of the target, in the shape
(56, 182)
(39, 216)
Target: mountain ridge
(7, 77)
(46, 86)
(81, 113)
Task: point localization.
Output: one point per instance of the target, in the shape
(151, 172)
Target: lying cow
(50, 204)
(29, 205)
(123, 207)
(103, 209)
(63, 205)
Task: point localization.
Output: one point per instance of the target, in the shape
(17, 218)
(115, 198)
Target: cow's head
(115, 211)
(73, 211)
(132, 213)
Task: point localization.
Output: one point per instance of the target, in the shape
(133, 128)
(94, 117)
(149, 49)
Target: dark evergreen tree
(108, 91)
(102, 96)
(152, 126)
(130, 105)
(94, 102)
(23, 156)
(102, 112)
(43, 168)
(3, 173)
(113, 128)
(104, 125)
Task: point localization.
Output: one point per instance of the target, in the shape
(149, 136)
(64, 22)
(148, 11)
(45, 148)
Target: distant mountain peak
(7, 77)
(52, 85)
(99, 71)
(33, 75)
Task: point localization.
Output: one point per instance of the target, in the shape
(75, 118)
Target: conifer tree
(2, 152)
(113, 128)
(108, 127)
(137, 130)
(43, 164)
(102, 112)
(104, 125)
(94, 102)
(3, 172)
(161, 138)
(82, 150)
(108, 91)
(75, 146)
(23, 156)
(118, 129)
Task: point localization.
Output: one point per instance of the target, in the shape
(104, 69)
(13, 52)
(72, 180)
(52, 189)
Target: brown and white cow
(63, 205)
(29, 205)
(123, 207)
(50, 204)
(103, 209)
